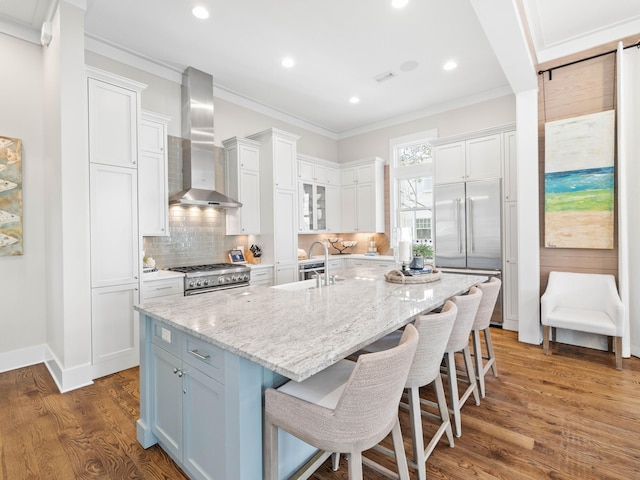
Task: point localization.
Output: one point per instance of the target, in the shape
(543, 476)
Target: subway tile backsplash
(196, 235)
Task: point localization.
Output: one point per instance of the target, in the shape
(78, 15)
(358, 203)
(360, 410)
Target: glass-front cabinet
(313, 211)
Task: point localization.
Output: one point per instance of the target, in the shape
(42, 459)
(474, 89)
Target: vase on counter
(403, 247)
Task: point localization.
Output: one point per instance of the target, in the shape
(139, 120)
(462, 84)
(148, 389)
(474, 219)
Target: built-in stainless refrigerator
(467, 228)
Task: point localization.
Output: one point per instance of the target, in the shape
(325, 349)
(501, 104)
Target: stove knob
(234, 278)
(199, 283)
(206, 282)
(191, 283)
(220, 280)
(246, 277)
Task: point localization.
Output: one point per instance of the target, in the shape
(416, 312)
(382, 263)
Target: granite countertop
(301, 331)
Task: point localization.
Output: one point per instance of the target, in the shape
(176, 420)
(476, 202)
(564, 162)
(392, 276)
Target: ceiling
(340, 48)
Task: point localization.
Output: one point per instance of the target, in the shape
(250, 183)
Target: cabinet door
(366, 207)
(285, 170)
(348, 176)
(484, 157)
(332, 206)
(166, 395)
(305, 171)
(349, 203)
(306, 214)
(114, 225)
(510, 284)
(151, 137)
(113, 124)
(250, 198)
(286, 273)
(510, 182)
(204, 425)
(114, 329)
(333, 176)
(286, 238)
(320, 207)
(449, 162)
(154, 207)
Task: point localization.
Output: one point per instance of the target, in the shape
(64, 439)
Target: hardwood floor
(567, 416)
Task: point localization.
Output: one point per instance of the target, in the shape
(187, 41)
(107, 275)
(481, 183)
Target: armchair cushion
(583, 301)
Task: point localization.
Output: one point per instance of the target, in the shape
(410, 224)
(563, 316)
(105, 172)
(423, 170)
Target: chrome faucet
(326, 259)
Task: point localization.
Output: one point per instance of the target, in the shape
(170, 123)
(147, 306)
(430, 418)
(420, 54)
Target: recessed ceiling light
(288, 62)
(450, 65)
(354, 100)
(200, 12)
(399, 3)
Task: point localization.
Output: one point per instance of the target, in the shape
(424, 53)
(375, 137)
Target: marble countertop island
(298, 331)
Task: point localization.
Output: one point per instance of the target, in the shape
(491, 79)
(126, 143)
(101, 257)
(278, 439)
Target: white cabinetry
(243, 183)
(261, 275)
(152, 175)
(188, 412)
(468, 160)
(383, 264)
(114, 106)
(510, 209)
(166, 288)
(362, 193)
(319, 196)
(278, 201)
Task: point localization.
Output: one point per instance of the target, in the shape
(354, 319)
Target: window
(411, 179)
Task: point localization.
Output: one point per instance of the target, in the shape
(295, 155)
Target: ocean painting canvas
(579, 182)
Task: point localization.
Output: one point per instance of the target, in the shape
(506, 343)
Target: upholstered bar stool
(459, 343)
(490, 291)
(434, 330)
(346, 408)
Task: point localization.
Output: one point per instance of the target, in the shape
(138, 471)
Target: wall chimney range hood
(198, 167)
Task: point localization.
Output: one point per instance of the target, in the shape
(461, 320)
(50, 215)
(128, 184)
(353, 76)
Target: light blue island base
(211, 427)
(205, 360)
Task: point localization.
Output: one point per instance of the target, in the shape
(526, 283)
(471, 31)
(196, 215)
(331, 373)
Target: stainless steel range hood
(198, 167)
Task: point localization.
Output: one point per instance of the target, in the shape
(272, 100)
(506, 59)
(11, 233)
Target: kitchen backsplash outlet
(196, 235)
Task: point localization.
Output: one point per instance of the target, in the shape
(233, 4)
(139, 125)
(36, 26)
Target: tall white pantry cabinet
(114, 115)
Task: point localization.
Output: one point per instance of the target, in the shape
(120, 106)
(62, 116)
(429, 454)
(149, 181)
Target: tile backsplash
(196, 235)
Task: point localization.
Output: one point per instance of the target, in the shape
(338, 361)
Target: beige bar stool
(346, 408)
(459, 342)
(434, 330)
(490, 291)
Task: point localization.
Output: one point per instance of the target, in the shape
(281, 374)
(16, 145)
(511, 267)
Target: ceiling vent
(383, 77)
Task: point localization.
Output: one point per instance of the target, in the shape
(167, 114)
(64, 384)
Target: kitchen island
(205, 360)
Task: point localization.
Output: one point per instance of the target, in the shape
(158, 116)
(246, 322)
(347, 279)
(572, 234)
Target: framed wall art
(10, 196)
(579, 191)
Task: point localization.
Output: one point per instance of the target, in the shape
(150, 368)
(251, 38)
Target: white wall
(491, 113)
(230, 120)
(22, 289)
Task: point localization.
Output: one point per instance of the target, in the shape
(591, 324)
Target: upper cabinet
(243, 183)
(318, 195)
(152, 175)
(113, 123)
(362, 192)
(468, 160)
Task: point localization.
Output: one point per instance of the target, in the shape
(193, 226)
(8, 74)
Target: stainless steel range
(217, 276)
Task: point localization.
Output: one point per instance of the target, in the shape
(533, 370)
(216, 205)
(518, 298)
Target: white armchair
(585, 302)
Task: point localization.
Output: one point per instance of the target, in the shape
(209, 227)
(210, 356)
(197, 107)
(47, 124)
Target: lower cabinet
(384, 265)
(188, 410)
(114, 329)
(261, 275)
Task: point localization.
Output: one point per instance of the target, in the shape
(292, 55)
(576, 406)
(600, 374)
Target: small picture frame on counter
(236, 256)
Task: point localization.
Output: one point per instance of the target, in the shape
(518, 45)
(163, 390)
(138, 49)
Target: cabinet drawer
(206, 357)
(261, 276)
(166, 337)
(161, 288)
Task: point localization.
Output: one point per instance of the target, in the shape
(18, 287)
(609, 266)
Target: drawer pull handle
(197, 354)
(164, 288)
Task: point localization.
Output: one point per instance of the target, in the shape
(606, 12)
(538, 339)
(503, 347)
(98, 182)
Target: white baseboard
(70, 378)
(22, 357)
(510, 325)
(66, 380)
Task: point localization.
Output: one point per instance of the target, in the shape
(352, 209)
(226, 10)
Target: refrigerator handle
(459, 224)
(470, 223)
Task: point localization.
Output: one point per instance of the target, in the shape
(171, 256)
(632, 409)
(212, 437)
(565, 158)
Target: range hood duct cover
(198, 165)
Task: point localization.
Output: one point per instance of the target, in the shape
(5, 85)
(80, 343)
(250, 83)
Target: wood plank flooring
(567, 416)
